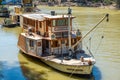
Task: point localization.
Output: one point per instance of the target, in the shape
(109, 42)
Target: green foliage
(108, 1)
(95, 0)
(0, 2)
(44, 0)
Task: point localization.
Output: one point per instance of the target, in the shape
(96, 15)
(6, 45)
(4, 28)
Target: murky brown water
(16, 66)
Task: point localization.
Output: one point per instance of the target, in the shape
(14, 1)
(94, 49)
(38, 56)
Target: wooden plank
(22, 43)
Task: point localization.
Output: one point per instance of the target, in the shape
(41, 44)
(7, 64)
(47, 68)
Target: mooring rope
(106, 16)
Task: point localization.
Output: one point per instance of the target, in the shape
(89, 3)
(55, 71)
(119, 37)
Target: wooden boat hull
(69, 66)
(72, 69)
(6, 15)
(9, 25)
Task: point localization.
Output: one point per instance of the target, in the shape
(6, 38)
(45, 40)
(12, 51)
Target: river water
(17, 66)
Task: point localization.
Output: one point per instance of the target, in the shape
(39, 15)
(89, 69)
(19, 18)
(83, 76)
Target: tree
(0, 2)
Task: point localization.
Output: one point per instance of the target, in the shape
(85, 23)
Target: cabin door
(39, 47)
(45, 46)
(31, 45)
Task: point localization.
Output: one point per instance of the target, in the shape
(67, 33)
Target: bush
(107, 2)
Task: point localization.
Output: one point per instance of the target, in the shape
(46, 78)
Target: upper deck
(47, 24)
(41, 17)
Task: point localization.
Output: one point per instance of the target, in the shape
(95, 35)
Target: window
(63, 41)
(58, 34)
(47, 44)
(60, 22)
(39, 43)
(55, 44)
(53, 22)
(40, 24)
(31, 42)
(65, 34)
(48, 23)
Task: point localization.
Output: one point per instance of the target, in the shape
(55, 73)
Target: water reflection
(34, 69)
(97, 73)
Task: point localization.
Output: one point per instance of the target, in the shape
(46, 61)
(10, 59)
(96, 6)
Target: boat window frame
(57, 22)
(40, 24)
(55, 43)
(38, 44)
(63, 41)
(31, 43)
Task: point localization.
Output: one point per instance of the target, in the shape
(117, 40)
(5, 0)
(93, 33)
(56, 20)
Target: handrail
(106, 16)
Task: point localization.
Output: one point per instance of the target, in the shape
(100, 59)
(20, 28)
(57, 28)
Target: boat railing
(62, 34)
(59, 50)
(61, 28)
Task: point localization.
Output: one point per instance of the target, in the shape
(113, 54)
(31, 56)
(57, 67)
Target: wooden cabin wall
(36, 25)
(22, 43)
(41, 27)
(44, 26)
(47, 26)
(27, 22)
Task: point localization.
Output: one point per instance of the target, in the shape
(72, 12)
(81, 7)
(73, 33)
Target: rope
(106, 16)
(73, 71)
(99, 44)
(101, 38)
(90, 39)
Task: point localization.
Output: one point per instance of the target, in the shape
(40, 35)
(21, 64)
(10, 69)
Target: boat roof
(33, 36)
(41, 17)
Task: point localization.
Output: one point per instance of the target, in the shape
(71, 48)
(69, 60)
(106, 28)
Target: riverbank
(111, 5)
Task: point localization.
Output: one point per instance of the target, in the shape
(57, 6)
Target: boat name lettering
(74, 69)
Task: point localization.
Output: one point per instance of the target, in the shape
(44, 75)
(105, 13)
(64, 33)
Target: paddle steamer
(52, 39)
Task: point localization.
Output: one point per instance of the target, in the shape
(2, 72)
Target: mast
(69, 30)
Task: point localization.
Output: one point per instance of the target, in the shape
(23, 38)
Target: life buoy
(53, 36)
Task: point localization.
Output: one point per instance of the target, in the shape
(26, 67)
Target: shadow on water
(97, 73)
(34, 69)
(31, 74)
(30, 69)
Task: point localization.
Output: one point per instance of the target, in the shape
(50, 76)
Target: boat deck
(71, 61)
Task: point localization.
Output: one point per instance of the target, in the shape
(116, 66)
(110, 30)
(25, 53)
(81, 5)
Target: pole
(69, 30)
